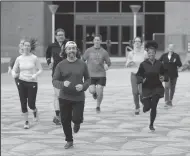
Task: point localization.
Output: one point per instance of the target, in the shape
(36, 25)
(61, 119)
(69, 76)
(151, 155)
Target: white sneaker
(26, 125)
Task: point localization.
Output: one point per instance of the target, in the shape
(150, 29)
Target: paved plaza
(113, 132)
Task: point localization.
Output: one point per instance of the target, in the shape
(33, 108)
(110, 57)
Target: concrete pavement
(113, 132)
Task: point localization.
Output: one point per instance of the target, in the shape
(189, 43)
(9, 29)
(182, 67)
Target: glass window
(65, 6)
(85, 6)
(154, 6)
(153, 24)
(125, 33)
(108, 6)
(65, 22)
(126, 5)
(79, 36)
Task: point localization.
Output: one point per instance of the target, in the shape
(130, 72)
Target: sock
(57, 112)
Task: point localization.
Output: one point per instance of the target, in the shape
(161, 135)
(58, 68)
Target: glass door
(103, 31)
(110, 39)
(90, 32)
(114, 40)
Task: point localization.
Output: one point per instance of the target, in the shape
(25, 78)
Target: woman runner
(27, 68)
(151, 74)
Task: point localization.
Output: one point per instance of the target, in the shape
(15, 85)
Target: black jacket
(55, 51)
(151, 74)
(171, 65)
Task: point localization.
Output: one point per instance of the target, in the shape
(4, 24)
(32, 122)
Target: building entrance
(116, 31)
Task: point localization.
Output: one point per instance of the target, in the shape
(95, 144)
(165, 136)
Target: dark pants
(70, 111)
(151, 103)
(27, 92)
(136, 90)
(170, 90)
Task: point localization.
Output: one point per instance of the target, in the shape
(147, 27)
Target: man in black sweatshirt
(55, 51)
(68, 77)
(171, 62)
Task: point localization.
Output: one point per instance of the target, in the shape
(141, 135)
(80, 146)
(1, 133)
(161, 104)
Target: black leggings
(151, 103)
(27, 92)
(70, 111)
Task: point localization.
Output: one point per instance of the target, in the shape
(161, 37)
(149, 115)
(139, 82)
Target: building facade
(166, 21)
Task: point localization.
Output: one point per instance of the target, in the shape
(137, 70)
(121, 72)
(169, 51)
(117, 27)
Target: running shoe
(26, 125)
(152, 128)
(137, 111)
(98, 109)
(68, 145)
(56, 121)
(76, 128)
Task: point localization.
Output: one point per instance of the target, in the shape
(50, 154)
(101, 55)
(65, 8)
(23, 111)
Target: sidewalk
(113, 132)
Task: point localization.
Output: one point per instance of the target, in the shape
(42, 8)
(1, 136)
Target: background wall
(22, 19)
(177, 21)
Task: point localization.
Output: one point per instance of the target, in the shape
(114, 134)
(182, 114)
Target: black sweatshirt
(55, 51)
(74, 72)
(172, 64)
(151, 73)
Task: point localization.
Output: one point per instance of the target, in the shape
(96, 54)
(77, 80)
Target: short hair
(99, 36)
(59, 30)
(151, 45)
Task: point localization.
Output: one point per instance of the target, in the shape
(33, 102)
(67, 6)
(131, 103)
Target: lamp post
(53, 8)
(135, 9)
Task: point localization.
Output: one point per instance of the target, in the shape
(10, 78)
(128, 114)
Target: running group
(74, 73)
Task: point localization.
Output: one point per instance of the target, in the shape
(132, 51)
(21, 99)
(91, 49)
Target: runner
(68, 77)
(13, 59)
(171, 62)
(135, 57)
(25, 69)
(151, 74)
(56, 51)
(98, 61)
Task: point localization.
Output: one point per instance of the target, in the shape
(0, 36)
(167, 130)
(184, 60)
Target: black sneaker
(56, 121)
(94, 96)
(98, 109)
(152, 128)
(76, 128)
(68, 145)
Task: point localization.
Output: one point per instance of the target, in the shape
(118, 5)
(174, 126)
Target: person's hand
(34, 77)
(162, 78)
(174, 60)
(50, 65)
(66, 83)
(79, 87)
(14, 75)
(106, 67)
